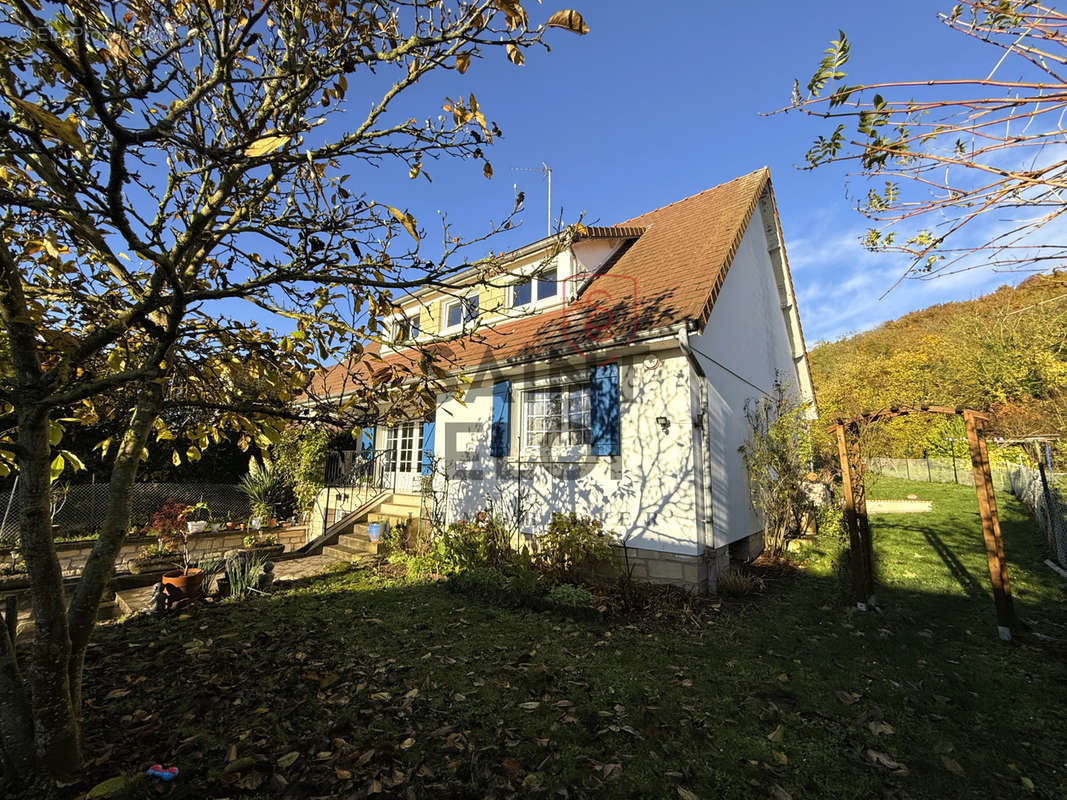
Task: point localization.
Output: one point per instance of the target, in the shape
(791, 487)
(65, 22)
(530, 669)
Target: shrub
(738, 582)
(168, 521)
(300, 458)
(776, 455)
(482, 541)
(525, 579)
(568, 595)
(571, 543)
(268, 492)
(482, 581)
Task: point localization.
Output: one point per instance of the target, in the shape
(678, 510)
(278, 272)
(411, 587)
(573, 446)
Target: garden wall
(73, 555)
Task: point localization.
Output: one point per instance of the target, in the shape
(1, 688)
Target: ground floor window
(556, 417)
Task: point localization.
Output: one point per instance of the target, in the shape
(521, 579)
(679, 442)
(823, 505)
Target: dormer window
(461, 311)
(406, 328)
(542, 286)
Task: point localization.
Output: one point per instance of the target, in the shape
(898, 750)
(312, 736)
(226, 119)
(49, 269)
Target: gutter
(701, 436)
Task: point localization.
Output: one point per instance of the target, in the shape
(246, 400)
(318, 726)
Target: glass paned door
(402, 458)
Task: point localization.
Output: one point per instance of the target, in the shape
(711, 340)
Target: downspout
(701, 434)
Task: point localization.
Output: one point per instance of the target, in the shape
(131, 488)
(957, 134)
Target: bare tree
(959, 172)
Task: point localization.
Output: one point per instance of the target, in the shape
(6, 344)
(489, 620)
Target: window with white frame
(461, 311)
(536, 288)
(556, 417)
(406, 328)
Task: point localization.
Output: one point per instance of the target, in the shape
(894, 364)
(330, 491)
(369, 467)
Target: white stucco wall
(645, 495)
(746, 334)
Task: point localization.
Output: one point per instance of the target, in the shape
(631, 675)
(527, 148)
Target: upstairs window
(461, 311)
(541, 287)
(406, 329)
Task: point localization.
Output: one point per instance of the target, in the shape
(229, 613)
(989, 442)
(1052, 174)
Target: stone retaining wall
(73, 555)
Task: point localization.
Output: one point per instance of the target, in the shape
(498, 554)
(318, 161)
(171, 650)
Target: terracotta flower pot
(182, 585)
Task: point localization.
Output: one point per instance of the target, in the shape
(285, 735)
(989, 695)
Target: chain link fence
(82, 510)
(941, 470)
(1051, 516)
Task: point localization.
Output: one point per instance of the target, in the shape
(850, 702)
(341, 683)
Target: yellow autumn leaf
(64, 130)
(405, 219)
(515, 55)
(463, 60)
(267, 144)
(570, 20)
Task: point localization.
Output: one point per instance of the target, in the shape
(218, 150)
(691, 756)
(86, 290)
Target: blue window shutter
(427, 446)
(500, 443)
(366, 438)
(604, 407)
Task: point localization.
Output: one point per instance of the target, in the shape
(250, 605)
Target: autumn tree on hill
(165, 168)
(959, 171)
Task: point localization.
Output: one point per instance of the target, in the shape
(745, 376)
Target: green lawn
(353, 685)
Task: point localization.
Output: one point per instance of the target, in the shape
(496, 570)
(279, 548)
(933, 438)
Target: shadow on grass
(391, 687)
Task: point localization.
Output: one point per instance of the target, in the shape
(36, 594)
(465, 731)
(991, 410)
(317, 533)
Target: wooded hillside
(1005, 352)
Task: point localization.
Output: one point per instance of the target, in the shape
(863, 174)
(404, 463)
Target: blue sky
(661, 101)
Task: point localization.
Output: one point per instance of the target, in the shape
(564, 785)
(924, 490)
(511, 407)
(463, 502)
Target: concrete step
(412, 501)
(340, 552)
(388, 519)
(358, 543)
(131, 600)
(398, 510)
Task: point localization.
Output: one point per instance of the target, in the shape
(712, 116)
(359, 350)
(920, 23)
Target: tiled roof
(668, 273)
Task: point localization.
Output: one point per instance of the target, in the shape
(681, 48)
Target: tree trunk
(100, 566)
(16, 717)
(55, 729)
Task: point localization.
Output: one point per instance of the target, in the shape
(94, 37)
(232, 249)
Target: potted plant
(152, 558)
(203, 514)
(13, 573)
(263, 544)
(269, 494)
(164, 525)
(185, 584)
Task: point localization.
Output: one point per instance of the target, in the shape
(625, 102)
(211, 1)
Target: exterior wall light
(664, 424)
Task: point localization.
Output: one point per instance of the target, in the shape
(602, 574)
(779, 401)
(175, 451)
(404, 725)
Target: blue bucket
(374, 531)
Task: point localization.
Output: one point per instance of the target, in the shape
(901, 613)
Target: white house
(608, 375)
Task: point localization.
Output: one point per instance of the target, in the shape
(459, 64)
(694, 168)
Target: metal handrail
(372, 469)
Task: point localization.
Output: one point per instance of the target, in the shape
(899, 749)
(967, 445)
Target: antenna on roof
(546, 171)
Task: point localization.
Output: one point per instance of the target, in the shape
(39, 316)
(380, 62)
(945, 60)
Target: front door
(403, 445)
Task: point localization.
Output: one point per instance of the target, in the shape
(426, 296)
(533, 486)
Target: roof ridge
(764, 168)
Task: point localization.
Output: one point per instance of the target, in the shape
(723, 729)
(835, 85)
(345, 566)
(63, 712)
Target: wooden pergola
(859, 530)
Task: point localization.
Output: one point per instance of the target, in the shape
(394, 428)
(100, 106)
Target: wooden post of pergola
(846, 432)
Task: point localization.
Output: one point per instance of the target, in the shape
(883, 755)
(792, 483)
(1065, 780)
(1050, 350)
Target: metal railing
(369, 469)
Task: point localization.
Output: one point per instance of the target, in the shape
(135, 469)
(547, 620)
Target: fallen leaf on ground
(288, 759)
(952, 765)
(885, 760)
(108, 787)
(777, 734)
